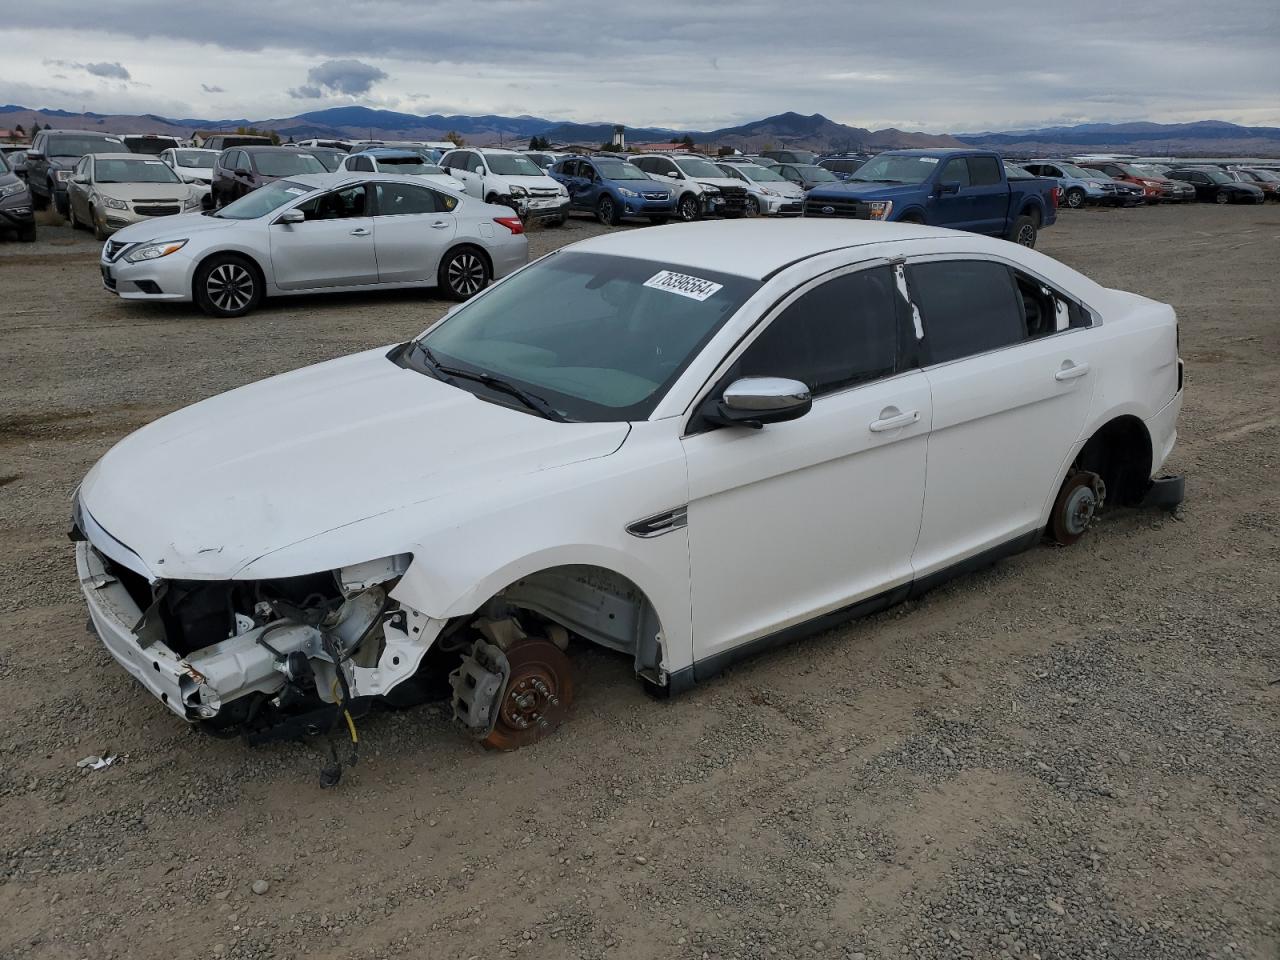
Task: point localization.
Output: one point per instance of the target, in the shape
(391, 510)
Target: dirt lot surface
(1073, 755)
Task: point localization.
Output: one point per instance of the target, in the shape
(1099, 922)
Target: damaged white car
(682, 444)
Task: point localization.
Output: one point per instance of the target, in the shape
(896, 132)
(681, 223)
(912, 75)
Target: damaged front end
(274, 658)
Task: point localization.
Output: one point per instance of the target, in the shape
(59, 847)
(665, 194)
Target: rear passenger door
(989, 195)
(413, 227)
(1009, 363)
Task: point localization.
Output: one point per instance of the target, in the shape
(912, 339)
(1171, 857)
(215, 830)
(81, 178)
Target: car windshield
(133, 171)
(78, 146)
(620, 170)
(1265, 176)
(287, 164)
(328, 157)
(815, 174)
(195, 159)
(512, 165)
(897, 169)
(1217, 176)
(599, 338)
(263, 201)
(694, 167)
(1148, 171)
(762, 174)
(1071, 170)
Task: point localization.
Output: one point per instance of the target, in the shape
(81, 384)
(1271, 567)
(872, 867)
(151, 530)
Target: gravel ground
(1073, 755)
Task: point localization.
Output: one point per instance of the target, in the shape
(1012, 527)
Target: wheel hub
(538, 694)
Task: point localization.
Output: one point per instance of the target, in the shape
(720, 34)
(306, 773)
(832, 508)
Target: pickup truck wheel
(1075, 198)
(607, 211)
(1023, 231)
(687, 209)
(538, 694)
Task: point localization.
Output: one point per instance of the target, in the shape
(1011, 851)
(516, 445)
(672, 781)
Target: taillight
(1057, 194)
(511, 223)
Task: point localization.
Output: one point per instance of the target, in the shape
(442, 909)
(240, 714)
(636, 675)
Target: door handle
(1071, 371)
(440, 224)
(890, 419)
(360, 232)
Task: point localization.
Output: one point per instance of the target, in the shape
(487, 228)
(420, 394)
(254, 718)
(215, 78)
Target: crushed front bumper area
(269, 671)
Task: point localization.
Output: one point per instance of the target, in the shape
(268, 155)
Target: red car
(1154, 186)
(1268, 181)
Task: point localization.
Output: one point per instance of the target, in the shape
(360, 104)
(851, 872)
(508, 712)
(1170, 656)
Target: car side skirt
(709, 667)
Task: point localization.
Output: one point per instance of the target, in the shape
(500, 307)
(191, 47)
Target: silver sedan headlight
(154, 251)
(111, 203)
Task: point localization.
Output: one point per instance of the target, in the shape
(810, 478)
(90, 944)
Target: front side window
(956, 171)
(600, 338)
(338, 205)
(840, 333)
(966, 306)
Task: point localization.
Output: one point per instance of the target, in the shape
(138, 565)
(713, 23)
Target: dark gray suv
(15, 204)
(53, 155)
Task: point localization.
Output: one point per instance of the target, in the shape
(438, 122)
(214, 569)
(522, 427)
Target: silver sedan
(331, 232)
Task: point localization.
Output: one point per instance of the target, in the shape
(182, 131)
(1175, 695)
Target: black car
(791, 156)
(807, 175)
(1214, 185)
(242, 170)
(53, 155)
(15, 204)
(843, 166)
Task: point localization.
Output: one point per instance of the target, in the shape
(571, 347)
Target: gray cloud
(347, 77)
(108, 71)
(207, 88)
(914, 64)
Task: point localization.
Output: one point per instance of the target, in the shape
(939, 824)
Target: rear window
(72, 145)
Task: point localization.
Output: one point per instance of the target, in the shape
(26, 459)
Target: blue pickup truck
(961, 189)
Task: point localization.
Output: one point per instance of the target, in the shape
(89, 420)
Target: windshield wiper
(448, 373)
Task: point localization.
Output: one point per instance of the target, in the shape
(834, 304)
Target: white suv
(701, 187)
(681, 444)
(510, 178)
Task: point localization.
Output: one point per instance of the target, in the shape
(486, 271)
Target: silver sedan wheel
(230, 287)
(466, 274)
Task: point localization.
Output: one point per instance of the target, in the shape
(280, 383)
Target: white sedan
(324, 232)
(681, 444)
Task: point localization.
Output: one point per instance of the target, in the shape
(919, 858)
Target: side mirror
(951, 186)
(80, 178)
(292, 216)
(241, 172)
(754, 401)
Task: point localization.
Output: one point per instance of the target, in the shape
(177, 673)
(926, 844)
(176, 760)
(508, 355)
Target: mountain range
(815, 132)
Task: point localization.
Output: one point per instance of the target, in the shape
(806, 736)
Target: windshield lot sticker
(694, 288)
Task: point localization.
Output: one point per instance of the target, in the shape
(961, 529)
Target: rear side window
(984, 171)
(966, 306)
(838, 334)
(398, 199)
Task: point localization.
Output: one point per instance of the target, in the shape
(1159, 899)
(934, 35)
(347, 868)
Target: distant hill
(813, 132)
(1204, 137)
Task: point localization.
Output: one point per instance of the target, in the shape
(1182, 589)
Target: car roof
(323, 181)
(272, 148)
(124, 155)
(383, 152)
(88, 133)
(753, 248)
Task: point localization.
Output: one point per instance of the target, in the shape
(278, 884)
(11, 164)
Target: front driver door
(953, 209)
(810, 516)
(333, 247)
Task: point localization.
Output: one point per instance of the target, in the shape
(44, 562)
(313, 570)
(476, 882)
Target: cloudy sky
(701, 64)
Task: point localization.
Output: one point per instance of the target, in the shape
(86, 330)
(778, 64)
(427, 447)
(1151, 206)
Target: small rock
(222, 894)
(954, 934)
(641, 860)
(260, 887)
(1225, 859)
(952, 679)
(1055, 906)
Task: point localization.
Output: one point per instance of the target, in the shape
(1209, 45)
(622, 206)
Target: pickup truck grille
(836, 208)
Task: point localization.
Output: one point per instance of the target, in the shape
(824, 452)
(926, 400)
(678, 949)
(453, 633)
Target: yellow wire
(351, 723)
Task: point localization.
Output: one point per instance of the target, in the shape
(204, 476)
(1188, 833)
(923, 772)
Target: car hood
(863, 188)
(720, 181)
(542, 183)
(143, 191)
(177, 227)
(203, 492)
